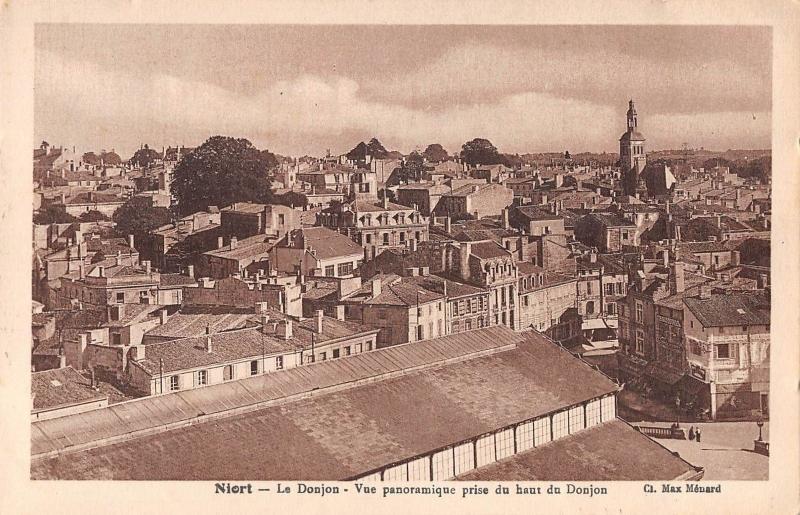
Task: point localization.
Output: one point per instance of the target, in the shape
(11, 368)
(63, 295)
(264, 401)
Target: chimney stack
(284, 329)
(234, 242)
(376, 286)
(705, 292)
(506, 219)
(219, 242)
(677, 283)
(736, 258)
(763, 281)
(318, 321)
(190, 271)
(413, 244)
(385, 199)
(163, 316)
(448, 224)
(265, 324)
(130, 240)
(147, 267)
(208, 339)
(340, 312)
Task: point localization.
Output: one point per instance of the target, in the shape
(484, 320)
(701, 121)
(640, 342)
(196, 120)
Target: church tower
(632, 158)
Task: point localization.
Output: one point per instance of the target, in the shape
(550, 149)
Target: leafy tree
(566, 155)
(411, 169)
(374, 148)
(291, 199)
(93, 216)
(53, 215)
(389, 194)
(110, 158)
(137, 216)
(221, 171)
(144, 157)
(90, 158)
(480, 151)
(511, 160)
(435, 153)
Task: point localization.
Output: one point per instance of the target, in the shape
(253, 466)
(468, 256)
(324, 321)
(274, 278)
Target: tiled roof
(258, 245)
(245, 207)
(61, 387)
(611, 451)
(183, 325)
(488, 250)
(337, 433)
(364, 206)
(134, 313)
(176, 280)
(610, 220)
(96, 198)
(731, 309)
(404, 293)
(536, 213)
(330, 244)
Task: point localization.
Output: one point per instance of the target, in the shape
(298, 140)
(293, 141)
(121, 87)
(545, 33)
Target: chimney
(736, 258)
(448, 224)
(593, 257)
(101, 271)
(705, 292)
(506, 219)
(318, 321)
(376, 286)
(219, 242)
(339, 312)
(665, 257)
(717, 221)
(265, 327)
(78, 237)
(130, 240)
(81, 271)
(762, 281)
(385, 199)
(118, 258)
(163, 316)
(190, 271)
(677, 283)
(284, 329)
(559, 180)
(234, 242)
(413, 244)
(208, 346)
(146, 265)
(84, 340)
(465, 250)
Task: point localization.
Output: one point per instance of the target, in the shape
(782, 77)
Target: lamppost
(760, 424)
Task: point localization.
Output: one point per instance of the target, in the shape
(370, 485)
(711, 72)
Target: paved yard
(725, 450)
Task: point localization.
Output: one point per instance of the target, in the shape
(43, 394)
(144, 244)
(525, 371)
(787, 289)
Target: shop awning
(593, 323)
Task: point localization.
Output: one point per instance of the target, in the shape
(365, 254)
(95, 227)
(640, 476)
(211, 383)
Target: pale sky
(303, 89)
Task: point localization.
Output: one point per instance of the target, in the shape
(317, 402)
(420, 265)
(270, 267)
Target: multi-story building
(476, 200)
(607, 232)
(317, 251)
(548, 303)
(244, 219)
(727, 348)
(376, 226)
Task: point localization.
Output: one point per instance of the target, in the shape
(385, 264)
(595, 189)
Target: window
(368, 345)
(144, 297)
(639, 341)
(610, 289)
(524, 436)
(227, 373)
(116, 339)
(120, 297)
(722, 351)
(323, 356)
(358, 348)
(202, 377)
(504, 443)
(593, 413)
(442, 465)
(541, 431)
(254, 367)
(588, 288)
(345, 269)
(402, 237)
(590, 307)
(386, 238)
(560, 425)
(346, 350)
(335, 354)
(174, 383)
(369, 237)
(576, 419)
(639, 312)
(612, 308)
(438, 328)
(281, 220)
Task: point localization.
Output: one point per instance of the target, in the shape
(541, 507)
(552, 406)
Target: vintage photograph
(401, 253)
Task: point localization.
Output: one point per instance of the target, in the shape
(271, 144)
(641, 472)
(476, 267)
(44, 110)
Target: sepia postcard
(373, 257)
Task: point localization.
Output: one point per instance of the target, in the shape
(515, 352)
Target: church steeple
(631, 116)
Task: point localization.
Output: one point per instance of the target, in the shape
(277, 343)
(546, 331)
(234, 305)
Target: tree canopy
(144, 157)
(291, 199)
(53, 215)
(221, 171)
(759, 168)
(138, 216)
(93, 216)
(435, 153)
(374, 148)
(412, 167)
(480, 151)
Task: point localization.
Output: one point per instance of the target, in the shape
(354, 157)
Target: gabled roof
(329, 244)
(731, 309)
(488, 250)
(61, 387)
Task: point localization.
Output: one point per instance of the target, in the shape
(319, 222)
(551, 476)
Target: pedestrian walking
(691, 433)
(697, 435)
